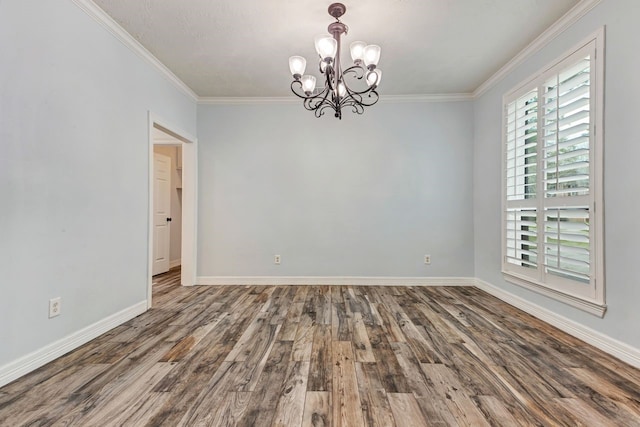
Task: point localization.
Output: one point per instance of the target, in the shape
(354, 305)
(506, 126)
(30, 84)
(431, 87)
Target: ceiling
(240, 48)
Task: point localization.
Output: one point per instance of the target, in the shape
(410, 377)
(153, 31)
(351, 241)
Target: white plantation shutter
(521, 162)
(550, 182)
(521, 159)
(522, 236)
(567, 130)
(566, 244)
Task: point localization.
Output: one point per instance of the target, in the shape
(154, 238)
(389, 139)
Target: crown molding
(427, 97)
(246, 100)
(558, 27)
(100, 16)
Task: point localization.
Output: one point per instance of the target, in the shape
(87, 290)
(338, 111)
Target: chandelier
(337, 93)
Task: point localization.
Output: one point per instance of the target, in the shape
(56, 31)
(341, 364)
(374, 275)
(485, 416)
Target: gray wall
(73, 171)
(622, 151)
(366, 196)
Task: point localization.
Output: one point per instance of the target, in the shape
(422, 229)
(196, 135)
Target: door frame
(189, 201)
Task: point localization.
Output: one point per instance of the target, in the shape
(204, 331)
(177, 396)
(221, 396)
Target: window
(552, 189)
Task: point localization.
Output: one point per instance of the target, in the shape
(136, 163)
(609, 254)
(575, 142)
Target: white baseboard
(19, 367)
(609, 345)
(175, 263)
(335, 280)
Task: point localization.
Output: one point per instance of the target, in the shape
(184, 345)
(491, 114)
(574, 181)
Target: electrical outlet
(427, 259)
(276, 259)
(55, 306)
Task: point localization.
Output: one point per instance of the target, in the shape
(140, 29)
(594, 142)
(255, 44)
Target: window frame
(587, 297)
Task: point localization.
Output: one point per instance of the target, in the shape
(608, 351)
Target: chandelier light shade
(297, 65)
(371, 55)
(357, 51)
(337, 92)
(374, 78)
(326, 46)
(308, 84)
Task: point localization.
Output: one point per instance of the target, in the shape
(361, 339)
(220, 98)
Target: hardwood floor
(327, 356)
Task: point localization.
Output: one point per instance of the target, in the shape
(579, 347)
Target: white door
(161, 212)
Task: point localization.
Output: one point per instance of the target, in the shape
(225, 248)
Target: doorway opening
(172, 203)
(167, 202)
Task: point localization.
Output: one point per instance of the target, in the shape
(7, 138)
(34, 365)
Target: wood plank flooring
(327, 356)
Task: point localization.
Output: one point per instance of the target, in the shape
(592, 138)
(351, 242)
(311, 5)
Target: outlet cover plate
(55, 307)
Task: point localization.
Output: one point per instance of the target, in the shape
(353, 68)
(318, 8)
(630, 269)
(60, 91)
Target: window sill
(590, 306)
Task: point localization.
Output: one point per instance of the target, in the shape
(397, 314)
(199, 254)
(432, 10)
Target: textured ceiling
(240, 48)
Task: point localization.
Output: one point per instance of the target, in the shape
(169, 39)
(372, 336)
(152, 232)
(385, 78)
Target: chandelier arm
(294, 90)
(357, 70)
(356, 107)
(363, 92)
(307, 105)
(348, 99)
(377, 97)
(305, 97)
(320, 110)
(315, 102)
(360, 99)
(324, 94)
(312, 104)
